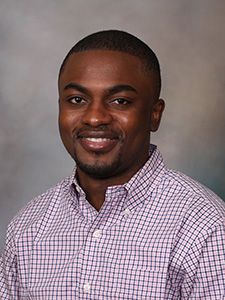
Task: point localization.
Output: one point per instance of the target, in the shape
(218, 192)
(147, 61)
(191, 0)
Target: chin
(98, 169)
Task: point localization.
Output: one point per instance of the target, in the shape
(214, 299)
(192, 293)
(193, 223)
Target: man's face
(106, 112)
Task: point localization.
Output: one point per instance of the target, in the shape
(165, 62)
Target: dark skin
(108, 106)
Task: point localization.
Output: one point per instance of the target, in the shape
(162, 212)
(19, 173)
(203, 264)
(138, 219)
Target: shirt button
(126, 212)
(87, 287)
(97, 234)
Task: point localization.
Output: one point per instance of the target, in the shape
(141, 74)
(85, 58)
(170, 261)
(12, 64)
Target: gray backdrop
(187, 35)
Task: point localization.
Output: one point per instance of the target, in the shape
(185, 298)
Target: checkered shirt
(159, 236)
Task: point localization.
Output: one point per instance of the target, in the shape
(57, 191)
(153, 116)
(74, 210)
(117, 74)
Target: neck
(95, 188)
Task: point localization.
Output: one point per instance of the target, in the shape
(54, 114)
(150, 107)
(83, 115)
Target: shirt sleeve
(209, 280)
(8, 271)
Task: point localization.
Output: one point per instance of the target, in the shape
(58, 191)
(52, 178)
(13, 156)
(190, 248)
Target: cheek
(133, 124)
(66, 128)
(67, 121)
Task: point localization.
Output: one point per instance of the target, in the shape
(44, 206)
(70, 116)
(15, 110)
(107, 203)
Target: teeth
(97, 140)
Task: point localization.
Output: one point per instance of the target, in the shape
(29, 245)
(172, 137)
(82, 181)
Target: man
(122, 226)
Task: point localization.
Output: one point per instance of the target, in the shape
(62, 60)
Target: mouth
(98, 142)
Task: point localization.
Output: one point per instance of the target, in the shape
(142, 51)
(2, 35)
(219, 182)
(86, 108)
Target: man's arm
(8, 271)
(209, 282)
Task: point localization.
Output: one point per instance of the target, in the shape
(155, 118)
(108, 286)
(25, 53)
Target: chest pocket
(130, 283)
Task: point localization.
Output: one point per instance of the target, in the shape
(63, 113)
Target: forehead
(104, 65)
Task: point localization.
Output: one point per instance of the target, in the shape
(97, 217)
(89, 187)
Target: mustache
(100, 131)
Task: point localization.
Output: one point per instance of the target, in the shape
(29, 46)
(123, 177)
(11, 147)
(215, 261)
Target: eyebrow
(76, 86)
(112, 90)
(121, 88)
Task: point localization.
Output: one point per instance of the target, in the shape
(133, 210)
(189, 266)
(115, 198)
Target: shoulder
(37, 209)
(197, 251)
(198, 213)
(201, 211)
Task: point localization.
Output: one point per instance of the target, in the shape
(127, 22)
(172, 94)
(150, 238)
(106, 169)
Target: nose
(96, 114)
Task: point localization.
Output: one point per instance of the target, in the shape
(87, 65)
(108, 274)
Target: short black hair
(117, 40)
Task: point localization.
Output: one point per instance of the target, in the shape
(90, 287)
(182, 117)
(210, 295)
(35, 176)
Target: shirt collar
(148, 177)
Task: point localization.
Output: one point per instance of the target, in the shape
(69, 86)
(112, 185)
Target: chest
(125, 259)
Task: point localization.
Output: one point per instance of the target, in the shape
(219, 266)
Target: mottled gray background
(187, 35)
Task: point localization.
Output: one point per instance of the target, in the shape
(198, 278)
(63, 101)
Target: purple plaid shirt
(159, 236)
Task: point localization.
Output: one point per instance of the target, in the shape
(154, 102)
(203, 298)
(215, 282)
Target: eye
(77, 100)
(121, 101)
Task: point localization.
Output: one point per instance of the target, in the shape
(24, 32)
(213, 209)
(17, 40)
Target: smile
(97, 140)
(98, 144)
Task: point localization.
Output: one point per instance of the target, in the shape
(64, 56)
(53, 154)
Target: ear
(156, 114)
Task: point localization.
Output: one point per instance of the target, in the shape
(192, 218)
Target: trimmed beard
(99, 170)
